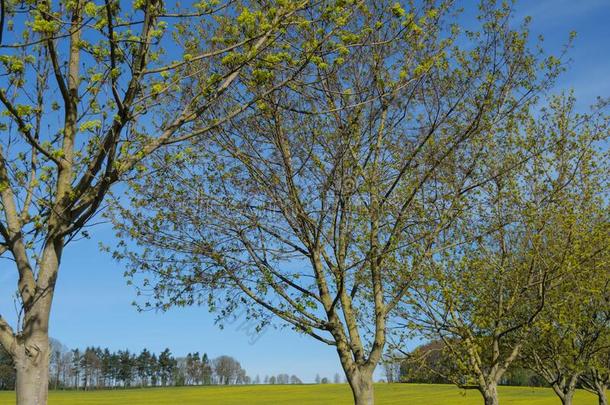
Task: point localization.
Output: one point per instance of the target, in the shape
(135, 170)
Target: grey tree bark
(596, 382)
(565, 393)
(603, 398)
(567, 398)
(32, 366)
(490, 394)
(361, 384)
(600, 390)
(32, 349)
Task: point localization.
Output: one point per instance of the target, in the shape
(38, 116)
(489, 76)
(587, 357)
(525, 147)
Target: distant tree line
(97, 368)
(337, 379)
(280, 379)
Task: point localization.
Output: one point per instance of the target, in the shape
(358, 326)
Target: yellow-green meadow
(335, 394)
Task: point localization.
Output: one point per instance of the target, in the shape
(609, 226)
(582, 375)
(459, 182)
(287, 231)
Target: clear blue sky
(92, 304)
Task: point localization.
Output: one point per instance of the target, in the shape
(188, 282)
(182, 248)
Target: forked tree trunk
(30, 348)
(566, 394)
(567, 398)
(32, 352)
(361, 383)
(490, 394)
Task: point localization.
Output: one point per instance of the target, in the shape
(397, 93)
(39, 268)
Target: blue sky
(92, 304)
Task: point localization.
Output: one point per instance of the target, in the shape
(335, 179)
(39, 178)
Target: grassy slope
(411, 394)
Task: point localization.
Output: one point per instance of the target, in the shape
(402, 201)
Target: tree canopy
(324, 203)
(90, 89)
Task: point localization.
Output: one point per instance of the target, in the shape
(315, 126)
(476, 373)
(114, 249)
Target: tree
(597, 378)
(518, 238)
(295, 380)
(228, 370)
(194, 369)
(89, 366)
(153, 369)
(318, 379)
(573, 334)
(565, 357)
(428, 363)
(206, 370)
(107, 368)
(242, 377)
(167, 364)
(88, 91)
(125, 368)
(142, 367)
(320, 206)
(59, 362)
(391, 370)
(337, 379)
(75, 367)
(179, 376)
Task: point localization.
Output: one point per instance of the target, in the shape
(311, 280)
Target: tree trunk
(490, 394)
(33, 352)
(567, 398)
(601, 395)
(32, 365)
(566, 391)
(57, 376)
(361, 383)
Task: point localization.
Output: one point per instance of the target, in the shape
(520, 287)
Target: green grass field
(411, 394)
